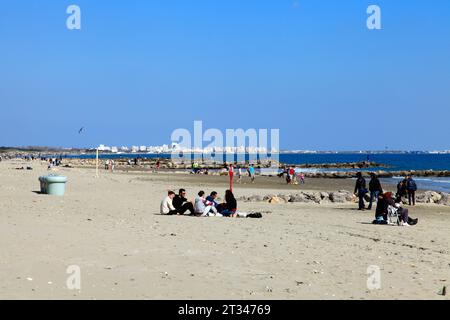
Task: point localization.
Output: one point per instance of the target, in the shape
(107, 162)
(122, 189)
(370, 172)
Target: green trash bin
(53, 185)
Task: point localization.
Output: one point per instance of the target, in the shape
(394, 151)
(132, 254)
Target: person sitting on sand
(212, 198)
(385, 200)
(181, 204)
(230, 205)
(203, 206)
(167, 205)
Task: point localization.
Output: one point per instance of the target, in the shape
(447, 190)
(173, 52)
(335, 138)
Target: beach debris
(276, 200)
(299, 283)
(108, 268)
(30, 279)
(269, 289)
(443, 291)
(173, 234)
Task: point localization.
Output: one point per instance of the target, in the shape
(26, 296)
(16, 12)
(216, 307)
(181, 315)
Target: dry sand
(111, 229)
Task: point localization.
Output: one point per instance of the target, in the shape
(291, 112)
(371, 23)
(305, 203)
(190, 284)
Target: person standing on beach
(375, 189)
(239, 175)
(302, 178)
(401, 190)
(411, 187)
(181, 204)
(251, 173)
(360, 190)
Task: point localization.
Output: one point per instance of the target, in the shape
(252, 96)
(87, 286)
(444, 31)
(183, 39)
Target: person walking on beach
(288, 176)
(411, 187)
(375, 189)
(239, 175)
(291, 173)
(302, 178)
(182, 204)
(360, 190)
(251, 172)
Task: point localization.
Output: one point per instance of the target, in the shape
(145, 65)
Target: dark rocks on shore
(380, 174)
(341, 165)
(341, 196)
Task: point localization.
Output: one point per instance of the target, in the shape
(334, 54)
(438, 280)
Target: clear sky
(137, 70)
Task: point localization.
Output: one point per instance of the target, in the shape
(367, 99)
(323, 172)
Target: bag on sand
(254, 215)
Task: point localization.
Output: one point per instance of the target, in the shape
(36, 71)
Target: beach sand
(111, 228)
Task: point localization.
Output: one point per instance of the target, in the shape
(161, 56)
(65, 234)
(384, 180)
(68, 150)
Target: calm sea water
(396, 162)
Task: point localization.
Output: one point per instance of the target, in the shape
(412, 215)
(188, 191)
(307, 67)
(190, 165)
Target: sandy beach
(111, 228)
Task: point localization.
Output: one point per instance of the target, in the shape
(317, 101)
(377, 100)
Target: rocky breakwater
(379, 173)
(341, 165)
(341, 196)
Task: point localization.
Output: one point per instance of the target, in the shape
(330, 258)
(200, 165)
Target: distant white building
(102, 147)
(134, 149)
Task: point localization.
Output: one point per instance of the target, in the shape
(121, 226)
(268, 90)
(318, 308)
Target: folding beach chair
(393, 216)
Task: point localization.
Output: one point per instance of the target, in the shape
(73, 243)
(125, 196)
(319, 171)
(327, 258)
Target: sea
(394, 162)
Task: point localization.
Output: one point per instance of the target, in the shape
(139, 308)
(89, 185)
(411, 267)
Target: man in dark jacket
(375, 189)
(360, 190)
(411, 187)
(181, 204)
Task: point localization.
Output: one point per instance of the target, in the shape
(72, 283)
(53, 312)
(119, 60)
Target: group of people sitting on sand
(204, 206)
(386, 202)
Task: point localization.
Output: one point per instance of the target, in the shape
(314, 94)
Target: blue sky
(137, 70)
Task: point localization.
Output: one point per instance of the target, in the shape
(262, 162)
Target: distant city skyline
(133, 72)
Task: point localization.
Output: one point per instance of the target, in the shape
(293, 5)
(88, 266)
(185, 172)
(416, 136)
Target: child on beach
(302, 178)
